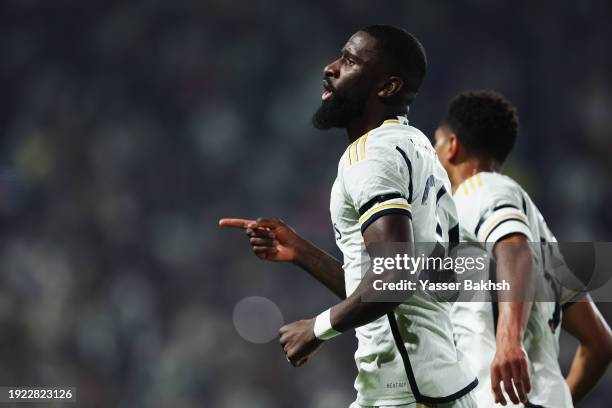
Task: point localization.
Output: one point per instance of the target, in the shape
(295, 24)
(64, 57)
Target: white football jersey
(491, 206)
(408, 355)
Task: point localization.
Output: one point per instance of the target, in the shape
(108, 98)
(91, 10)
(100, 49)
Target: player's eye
(349, 61)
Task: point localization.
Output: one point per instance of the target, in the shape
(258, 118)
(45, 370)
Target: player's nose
(331, 70)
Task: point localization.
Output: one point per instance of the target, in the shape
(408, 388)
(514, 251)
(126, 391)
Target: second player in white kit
(514, 343)
(492, 206)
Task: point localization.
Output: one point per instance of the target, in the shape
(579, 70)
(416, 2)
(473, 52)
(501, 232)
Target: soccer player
(513, 342)
(385, 192)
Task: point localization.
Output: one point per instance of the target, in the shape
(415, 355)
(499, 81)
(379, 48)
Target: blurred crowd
(128, 128)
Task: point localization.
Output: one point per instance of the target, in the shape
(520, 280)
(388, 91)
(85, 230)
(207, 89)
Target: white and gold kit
(492, 206)
(408, 355)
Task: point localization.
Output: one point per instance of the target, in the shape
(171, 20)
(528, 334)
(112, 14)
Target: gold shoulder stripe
(393, 121)
(478, 180)
(363, 142)
(354, 156)
(472, 184)
(469, 184)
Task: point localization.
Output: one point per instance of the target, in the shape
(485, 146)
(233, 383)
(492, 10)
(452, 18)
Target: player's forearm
(353, 313)
(365, 304)
(510, 363)
(515, 266)
(322, 266)
(512, 321)
(588, 367)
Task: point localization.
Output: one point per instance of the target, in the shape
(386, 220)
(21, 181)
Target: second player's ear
(391, 87)
(453, 146)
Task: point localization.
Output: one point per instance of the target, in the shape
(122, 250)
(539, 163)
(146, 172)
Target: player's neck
(467, 169)
(355, 130)
(367, 122)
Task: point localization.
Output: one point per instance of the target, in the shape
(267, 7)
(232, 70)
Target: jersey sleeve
(570, 296)
(501, 213)
(378, 182)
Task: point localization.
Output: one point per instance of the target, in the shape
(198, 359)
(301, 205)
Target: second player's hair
(485, 122)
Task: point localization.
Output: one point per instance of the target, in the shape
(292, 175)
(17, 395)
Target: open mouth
(328, 90)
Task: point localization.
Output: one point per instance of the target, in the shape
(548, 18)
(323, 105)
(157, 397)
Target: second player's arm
(583, 321)
(514, 265)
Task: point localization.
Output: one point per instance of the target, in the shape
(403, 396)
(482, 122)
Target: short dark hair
(485, 122)
(403, 54)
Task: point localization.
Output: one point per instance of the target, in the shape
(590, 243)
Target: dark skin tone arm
(514, 264)
(583, 321)
(353, 312)
(298, 339)
(273, 240)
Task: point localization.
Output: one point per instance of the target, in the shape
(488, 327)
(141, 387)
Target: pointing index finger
(235, 222)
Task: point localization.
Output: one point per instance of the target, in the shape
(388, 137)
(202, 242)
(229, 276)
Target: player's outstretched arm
(583, 321)
(273, 240)
(302, 338)
(510, 365)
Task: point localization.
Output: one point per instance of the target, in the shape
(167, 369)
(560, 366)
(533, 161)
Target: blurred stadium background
(128, 128)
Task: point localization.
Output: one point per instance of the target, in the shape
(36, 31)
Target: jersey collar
(398, 120)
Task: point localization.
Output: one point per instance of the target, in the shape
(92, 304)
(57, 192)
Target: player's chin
(320, 120)
(328, 116)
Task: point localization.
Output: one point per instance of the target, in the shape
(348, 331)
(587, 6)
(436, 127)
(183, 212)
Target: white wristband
(323, 329)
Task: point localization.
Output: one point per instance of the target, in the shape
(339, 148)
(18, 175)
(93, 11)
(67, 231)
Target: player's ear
(391, 87)
(453, 146)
